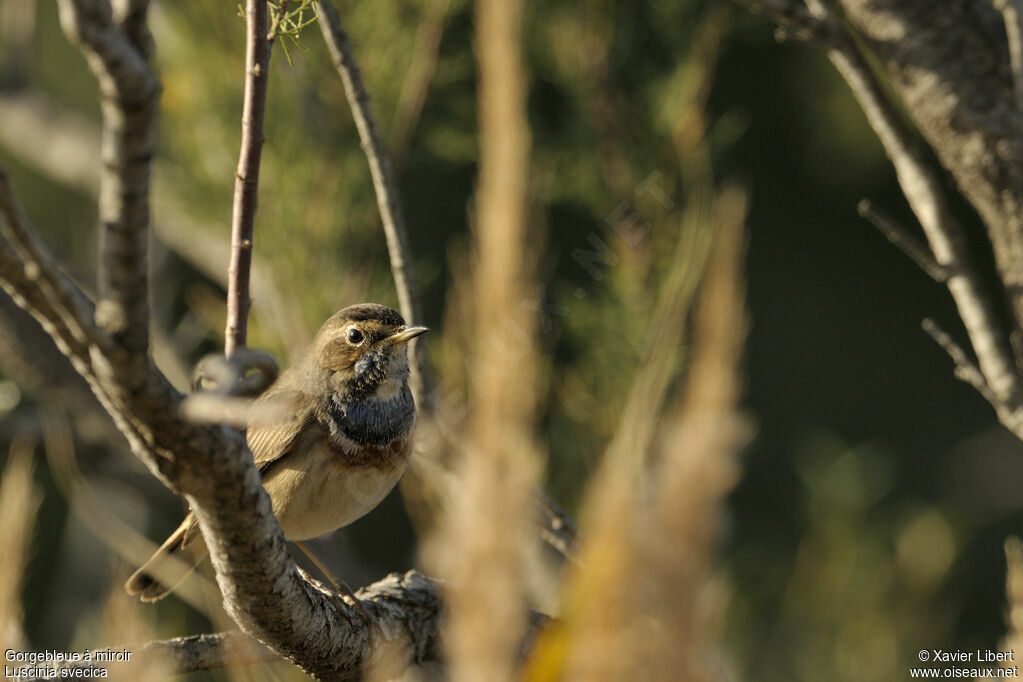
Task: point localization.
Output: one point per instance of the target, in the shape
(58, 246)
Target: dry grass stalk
(126, 626)
(697, 467)
(1014, 595)
(19, 502)
(123, 540)
(489, 529)
(643, 604)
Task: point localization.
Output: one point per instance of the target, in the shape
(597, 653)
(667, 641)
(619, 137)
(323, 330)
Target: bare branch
(952, 74)
(923, 190)
(944, 233)
(558, 529)
(28, 268)
(206, 652)
(246, 181)
(901, 238)
(117, 53)
(1012, 13)
(968, 372)
(386, 191)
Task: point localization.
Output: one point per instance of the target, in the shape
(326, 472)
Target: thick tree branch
(117, 49)
(405, 609)
(246, 181)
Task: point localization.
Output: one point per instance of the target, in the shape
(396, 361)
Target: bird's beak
(407, 334)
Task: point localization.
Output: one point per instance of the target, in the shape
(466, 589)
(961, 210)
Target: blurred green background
(878, 491)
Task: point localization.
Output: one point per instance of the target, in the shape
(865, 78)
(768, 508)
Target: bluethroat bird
(330, 438)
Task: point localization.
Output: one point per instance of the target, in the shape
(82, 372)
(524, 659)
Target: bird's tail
(171, 564)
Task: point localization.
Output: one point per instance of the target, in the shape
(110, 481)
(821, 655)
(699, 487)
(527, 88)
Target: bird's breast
(333, 488)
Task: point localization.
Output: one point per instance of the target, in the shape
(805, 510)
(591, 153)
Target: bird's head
(363, 349)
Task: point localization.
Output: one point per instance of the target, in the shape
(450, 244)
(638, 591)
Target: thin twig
(558, 529)
(967, 371)
(35, 265)
(246, 181)
(1012, 15)
(901, 238)
(178, 656)
(386, 190)
(944, 232)
(795, 19)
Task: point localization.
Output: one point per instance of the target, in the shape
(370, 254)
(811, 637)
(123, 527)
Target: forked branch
(948, 258)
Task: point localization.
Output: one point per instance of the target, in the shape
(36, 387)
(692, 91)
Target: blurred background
(877, 491)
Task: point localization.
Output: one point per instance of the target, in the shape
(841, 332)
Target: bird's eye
(354, 336)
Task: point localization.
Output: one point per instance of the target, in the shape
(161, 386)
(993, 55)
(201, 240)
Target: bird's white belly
(324, 498)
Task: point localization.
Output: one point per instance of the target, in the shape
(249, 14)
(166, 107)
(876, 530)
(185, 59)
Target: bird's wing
(275, 421)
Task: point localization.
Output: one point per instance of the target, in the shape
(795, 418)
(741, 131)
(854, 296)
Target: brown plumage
(330, 438)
